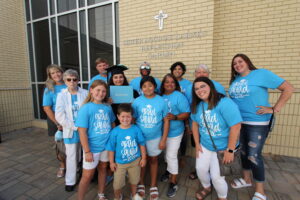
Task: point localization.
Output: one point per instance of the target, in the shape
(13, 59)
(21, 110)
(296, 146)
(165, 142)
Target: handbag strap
(203, 113)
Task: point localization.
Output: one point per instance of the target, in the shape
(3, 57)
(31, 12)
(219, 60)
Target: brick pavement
(28, 171)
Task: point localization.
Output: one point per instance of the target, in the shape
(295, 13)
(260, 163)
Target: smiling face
(202, 90)
(148, 89)
(101, 67)
(240, 66)
(98, 93)
(56, 75)
(178, 72)
(118, 79)
(125, 119)
(169, 85)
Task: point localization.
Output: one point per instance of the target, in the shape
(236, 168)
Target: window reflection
(90, 2)
(66, 5)
(39, 8)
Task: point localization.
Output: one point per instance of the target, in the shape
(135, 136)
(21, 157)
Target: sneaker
(69, 188)
(172, 190)
(165, 177)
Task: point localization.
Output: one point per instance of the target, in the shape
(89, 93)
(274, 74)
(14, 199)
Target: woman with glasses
(68, 103)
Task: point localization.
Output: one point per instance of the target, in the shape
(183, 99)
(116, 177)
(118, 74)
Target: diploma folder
(121, 94)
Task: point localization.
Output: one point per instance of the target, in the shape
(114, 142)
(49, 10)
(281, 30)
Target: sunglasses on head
(145, 67)
(71, 79)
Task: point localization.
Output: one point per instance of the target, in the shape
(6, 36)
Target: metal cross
(161, 16)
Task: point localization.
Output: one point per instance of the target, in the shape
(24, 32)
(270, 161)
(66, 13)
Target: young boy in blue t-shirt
(126, 151)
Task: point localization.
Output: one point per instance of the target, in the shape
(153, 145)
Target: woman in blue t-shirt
(178, 112)
(215, 117)
(54, 85)
(249, 90)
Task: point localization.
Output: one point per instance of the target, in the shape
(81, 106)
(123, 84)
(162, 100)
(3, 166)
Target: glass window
(39, 8)
(66, 5)
(42, 48)
(27, 10)
(68, 42)
(83, 41)
(54, 41)
(117, 33)
(90, 2)
(32, 74)
(100, 35)
(81, 3)
(41, 88)
(52, 7)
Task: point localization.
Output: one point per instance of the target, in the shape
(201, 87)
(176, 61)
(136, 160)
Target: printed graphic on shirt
(169, 105)
(130, 149)
(102, 123)
(148, 117)
(239, 89)
(212, 123)
(75, 108)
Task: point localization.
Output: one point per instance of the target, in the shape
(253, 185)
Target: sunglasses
(71, 79)
(145, 67)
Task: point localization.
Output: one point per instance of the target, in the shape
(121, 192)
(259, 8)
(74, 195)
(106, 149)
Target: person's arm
(163, 141)
(286, 92)
(195, 130)
(112, 164)
(232, 141)
(61, 115)
(181, 116)
(85, 144)
(144, 156)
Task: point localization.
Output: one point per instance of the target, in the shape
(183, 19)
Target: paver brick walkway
(28, 171)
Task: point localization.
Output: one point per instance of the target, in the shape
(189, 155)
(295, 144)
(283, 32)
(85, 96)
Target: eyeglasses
(145, 67)
(71, 79)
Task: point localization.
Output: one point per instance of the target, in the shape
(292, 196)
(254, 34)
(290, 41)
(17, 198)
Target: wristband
(229, 150)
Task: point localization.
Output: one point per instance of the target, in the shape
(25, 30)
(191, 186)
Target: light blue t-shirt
(97, 118)
(75, 109)
(125, 143)
(251, 91)
(149, 114)
(177, 104)
(220, 89)
(184, 84)
(49, 97)
(97, 77)
(135, 83)
(219, 121)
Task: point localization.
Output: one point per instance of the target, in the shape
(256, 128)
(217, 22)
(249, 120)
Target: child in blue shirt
(94, 121)
(126, 151)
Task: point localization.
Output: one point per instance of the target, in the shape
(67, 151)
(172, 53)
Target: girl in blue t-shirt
(249, 90)
(94, 121)
(178, 112)
(54, 85)
(150, 112)
(216, 118)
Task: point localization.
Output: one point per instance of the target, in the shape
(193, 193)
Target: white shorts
(98, 157)
(152, 147)
(172, 147)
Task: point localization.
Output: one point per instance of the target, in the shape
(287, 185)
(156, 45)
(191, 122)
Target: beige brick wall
(15, 97)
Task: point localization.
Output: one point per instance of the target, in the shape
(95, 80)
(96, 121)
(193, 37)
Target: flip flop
(141, 190)
(259, 196)
(240, 183)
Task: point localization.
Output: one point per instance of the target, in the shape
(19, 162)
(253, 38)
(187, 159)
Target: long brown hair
(96, 83)
(234, 74)
(177, 86)
(50, 82)
(213, 98)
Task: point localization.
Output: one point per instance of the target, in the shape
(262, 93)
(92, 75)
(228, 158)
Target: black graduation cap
(115, 69)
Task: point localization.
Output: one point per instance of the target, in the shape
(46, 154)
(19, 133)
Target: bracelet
(88, 152)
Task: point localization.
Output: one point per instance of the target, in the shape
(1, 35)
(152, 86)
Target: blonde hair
(96, 83)
(50, 82)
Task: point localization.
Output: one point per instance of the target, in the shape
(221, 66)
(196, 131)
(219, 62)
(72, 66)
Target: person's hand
(162, 145)
(89, 157)
(264, 110)
(59, 127)
(228, 157)
(143, 162)
(198, 149)
(170, 116)
(113, 166)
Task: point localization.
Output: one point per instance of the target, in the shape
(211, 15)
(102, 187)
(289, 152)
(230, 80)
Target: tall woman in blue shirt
(249, 90)
(223, 121)
(54, 85)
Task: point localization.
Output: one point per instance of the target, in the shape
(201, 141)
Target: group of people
(124, 138)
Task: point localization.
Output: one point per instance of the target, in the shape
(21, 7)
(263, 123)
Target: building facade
(72, 33)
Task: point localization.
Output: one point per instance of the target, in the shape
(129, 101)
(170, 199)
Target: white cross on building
(161, 16)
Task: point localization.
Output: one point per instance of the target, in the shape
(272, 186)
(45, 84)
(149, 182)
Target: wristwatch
(229, 150)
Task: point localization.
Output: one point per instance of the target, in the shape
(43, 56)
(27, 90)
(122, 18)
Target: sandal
(101, 196)
(61, 172)
(193, 175)
(203, 193)
(154, 192)
(259, 196)
(240, 183)
(141, 190)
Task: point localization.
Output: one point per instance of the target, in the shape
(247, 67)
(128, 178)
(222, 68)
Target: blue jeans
(252, 140)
